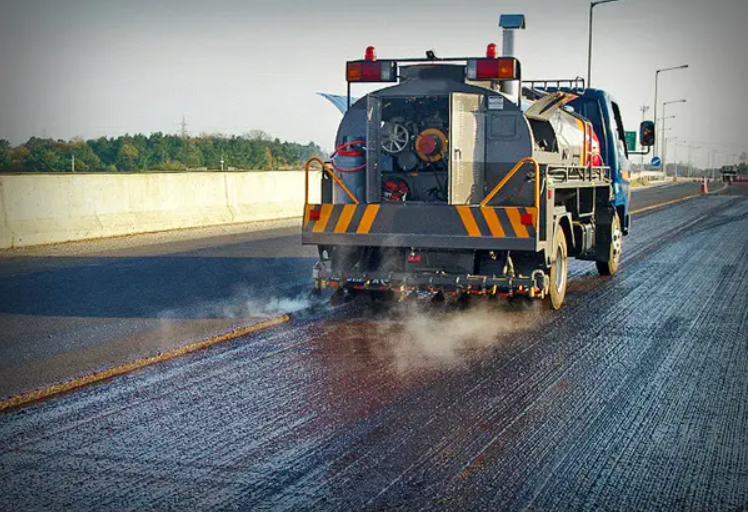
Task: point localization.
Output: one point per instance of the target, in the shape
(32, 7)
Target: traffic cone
(704, 188)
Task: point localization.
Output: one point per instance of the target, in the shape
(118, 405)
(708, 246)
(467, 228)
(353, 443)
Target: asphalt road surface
(633, 397)
(72, 309)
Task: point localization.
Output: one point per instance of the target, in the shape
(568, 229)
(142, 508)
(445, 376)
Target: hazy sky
(97, 67)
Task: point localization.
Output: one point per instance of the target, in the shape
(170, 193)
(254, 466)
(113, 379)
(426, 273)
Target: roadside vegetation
(132, 153)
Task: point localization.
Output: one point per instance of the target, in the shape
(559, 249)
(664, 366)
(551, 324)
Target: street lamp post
(589, 45)
(657, 77)
(664, 152)
(713, 161)
(664, 135)
(676, 157)
(664, 117)
(665, 138)
(690, 163)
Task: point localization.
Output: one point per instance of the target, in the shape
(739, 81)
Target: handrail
(509, 175)
(329, 171)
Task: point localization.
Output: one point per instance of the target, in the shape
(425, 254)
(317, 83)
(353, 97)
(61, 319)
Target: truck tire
(559, 274)
(615, 246)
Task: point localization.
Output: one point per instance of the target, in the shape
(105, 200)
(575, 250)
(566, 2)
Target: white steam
(436, 339)
(249, 306)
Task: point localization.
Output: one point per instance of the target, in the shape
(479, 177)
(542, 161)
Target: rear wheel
(559, 269)
(608, 268)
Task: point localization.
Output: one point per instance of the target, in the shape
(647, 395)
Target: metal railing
(509, 175)
(325, 168)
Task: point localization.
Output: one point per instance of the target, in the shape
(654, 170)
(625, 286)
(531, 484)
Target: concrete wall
(51, 208)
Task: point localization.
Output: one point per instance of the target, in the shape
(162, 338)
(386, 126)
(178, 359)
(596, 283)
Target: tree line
(158, 151)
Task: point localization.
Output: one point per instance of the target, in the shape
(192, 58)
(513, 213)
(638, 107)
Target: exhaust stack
(509, 23)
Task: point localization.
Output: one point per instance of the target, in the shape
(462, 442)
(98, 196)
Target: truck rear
(460, 179)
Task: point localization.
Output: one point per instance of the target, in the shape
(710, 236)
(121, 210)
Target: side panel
(467, 139)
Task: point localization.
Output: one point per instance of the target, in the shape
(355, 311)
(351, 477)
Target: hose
(343, 147)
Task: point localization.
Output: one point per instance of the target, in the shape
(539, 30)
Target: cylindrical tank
(349, 163)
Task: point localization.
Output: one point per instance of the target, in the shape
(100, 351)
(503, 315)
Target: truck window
(619, 129)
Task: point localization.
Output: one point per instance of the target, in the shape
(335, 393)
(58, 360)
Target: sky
(98, 67)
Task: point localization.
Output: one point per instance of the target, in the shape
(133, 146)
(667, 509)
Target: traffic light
(647, 133)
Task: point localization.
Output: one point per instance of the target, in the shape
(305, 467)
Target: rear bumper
(421, 225)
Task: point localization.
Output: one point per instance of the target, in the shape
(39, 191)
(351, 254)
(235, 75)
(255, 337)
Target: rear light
(414, 258)
(505, 68)
(314, 215)
(371, 71)
(491, 51)
(371, 53)
(526, 219)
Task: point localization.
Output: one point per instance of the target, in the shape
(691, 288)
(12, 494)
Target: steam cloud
(433, 339)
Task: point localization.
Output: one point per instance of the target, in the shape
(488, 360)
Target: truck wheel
(559, 269)
(608, 268)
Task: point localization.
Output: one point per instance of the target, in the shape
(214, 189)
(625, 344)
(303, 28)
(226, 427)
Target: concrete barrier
(51, 208)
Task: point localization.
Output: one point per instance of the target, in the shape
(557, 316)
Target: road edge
(44, 393)
(675, 201)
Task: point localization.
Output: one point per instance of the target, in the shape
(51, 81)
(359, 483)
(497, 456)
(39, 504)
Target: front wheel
(559, 269)
(608, 268)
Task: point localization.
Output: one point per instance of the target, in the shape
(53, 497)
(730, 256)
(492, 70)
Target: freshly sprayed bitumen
(633, 397)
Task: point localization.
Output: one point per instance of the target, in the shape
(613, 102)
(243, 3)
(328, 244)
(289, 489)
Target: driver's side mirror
(647, 133)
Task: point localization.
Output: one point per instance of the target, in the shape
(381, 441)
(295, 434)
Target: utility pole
(183, 128)
(221, 161)
(72, 163)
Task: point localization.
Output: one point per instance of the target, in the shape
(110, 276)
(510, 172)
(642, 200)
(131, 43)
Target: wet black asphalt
(633, 397)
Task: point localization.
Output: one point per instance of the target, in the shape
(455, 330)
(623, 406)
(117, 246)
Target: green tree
(127, 157)
(6, 154)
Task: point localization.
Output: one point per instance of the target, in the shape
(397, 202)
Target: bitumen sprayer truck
(463, 178)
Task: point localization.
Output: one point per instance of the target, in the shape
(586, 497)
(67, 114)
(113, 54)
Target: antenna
(183, 128)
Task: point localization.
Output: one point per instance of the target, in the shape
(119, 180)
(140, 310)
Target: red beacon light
(370, 69)
(491, 51)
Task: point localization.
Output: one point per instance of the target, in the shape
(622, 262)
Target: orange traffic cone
(704, 188)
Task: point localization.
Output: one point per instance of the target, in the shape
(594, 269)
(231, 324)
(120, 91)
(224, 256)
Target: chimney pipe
(509, 23)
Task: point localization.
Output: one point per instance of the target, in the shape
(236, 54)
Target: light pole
(712, 161)
(690, 164)
(589, 46)
(676, 157)
(664, 117)
(665, 138)
(657, 77)
(664, 152)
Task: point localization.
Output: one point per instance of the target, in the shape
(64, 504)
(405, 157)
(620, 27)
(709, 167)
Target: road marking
(93, 378)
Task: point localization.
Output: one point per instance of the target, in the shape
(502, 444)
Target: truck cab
(602, 110)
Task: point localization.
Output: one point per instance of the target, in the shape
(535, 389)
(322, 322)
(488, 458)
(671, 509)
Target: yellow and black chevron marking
(422, 219)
